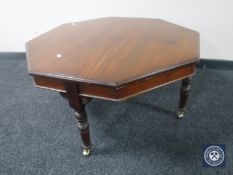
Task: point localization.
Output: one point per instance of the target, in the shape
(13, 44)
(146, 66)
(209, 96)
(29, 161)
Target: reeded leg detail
(77, 104)
(184, 93)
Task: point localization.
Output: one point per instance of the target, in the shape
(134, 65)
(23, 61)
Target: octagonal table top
(111, 51)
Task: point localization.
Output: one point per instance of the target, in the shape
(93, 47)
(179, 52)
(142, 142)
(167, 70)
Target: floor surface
(38, 132)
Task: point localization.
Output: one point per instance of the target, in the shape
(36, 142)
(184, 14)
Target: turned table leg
(184, 93)
(76, 103)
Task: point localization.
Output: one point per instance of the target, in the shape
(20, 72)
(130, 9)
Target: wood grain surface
(122, 92)
(111, 51)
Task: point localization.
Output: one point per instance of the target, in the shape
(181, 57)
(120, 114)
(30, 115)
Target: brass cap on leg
(86, 152)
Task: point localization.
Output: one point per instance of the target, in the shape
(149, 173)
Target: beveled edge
(111, 84)
(106, 83)
(118, 93)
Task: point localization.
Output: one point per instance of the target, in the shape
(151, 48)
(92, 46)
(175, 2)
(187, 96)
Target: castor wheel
(86, 152)
(180, 114)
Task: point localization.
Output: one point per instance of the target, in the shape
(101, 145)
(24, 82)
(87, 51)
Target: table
(112, 58)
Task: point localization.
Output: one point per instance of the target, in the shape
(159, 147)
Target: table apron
(121, 92)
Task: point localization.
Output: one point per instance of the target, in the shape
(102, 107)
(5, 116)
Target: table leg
(84, 100)
(184, 93)
(76, 103)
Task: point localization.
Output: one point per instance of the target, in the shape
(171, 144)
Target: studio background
(25, 19)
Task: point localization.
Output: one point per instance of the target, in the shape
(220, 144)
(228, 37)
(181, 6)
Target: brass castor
(180, 114)
(86, 152)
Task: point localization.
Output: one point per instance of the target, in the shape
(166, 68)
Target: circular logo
(214, 155)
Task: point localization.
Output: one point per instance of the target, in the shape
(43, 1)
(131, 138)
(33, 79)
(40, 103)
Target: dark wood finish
(111, 51)
(80, 112)
(131, 89)
(184, 93)
(84, 100)
(124, 91)
(114, 59)
(49, 83)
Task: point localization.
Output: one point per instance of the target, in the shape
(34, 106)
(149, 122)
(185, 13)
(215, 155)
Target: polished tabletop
(111, 51)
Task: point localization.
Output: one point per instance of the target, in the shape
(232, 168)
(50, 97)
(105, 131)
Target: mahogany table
(114, 59)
